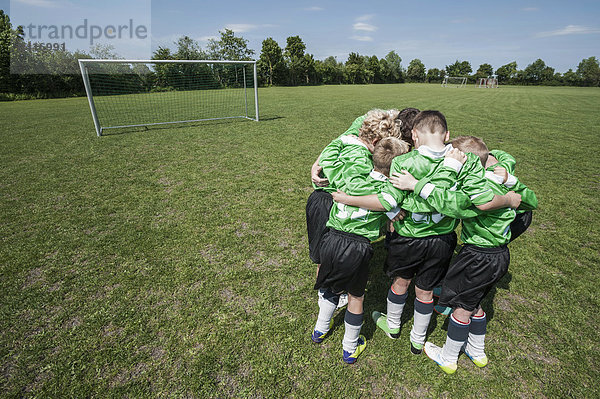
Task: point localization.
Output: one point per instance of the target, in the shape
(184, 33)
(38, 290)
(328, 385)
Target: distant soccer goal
(130, 93)
(491, 82)
(454, 81)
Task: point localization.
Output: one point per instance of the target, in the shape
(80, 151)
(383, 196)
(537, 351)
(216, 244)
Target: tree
(294, 56)
(459, 68)
(571, 78)
(373, 68)
(435, 75)
(391, 68)
(589, 71)
(188, 49)
(507, 72)
(356, 71)
(415, 71)
(271, 64)
(538, 72)
(229, 47)
(330, 70)
(484, 71)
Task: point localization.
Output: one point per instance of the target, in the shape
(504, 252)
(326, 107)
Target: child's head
(379, 124)
(407, 117)
(429, 126)
(385, 151)
(473, 145)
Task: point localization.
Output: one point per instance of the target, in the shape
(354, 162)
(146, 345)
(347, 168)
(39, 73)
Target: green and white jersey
(424, 219)
(528, 199)
(483, 229)
(350, 168)
(351, 219)
(505, 160)
(333, 149)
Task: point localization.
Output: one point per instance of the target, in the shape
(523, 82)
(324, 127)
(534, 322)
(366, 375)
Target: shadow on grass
(181, 125)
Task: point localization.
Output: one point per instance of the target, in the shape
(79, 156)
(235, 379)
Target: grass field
(173, 261)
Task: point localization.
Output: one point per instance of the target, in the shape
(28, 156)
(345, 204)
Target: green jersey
(358, 220)
(423, 218)
(333, 149)
(483, 229)
(505, 160)
(350, 166)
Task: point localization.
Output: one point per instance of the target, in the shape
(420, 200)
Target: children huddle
(368, 177)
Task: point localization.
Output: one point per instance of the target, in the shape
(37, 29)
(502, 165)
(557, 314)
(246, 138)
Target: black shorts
(424, 259)
(520, 224)
(472, 275)
(345, 261)
(318, 207)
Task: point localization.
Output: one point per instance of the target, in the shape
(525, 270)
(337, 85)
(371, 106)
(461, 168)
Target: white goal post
(456, 81)
(131, 93)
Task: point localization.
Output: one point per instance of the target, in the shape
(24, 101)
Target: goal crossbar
(218, 80)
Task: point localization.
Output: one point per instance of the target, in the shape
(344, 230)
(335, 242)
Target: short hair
(472, 144)
(379, 124)
(407, 117)
(385, 151)
(430, 121)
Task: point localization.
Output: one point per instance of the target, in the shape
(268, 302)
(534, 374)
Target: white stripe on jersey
(353, 140)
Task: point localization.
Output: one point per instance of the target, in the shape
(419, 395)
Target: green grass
(173, 261)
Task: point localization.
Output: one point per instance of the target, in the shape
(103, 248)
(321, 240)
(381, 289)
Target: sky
(438, 32)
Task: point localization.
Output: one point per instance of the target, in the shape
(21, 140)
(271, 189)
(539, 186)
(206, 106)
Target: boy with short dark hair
(481, 263)
(346, 250)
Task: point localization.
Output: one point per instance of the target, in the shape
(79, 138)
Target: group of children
(369, 179)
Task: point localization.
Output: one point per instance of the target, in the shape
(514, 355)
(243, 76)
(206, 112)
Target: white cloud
(364, 27)
(569, 30)
(41, 3)
(366, 17)
(240, 28)
(362, 38)
(314, 8)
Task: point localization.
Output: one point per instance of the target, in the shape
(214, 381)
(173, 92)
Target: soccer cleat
(434, 352)
(437, 291)
(416, 348)
(480, 361)
(317, 336)
(350, 358)
(442, 310)
(380, 320)
(343, 301)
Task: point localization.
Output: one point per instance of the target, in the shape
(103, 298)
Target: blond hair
(472, 144)
(379, 124)
(385, 151)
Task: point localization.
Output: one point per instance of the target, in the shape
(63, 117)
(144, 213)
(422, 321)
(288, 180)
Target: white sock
(395, 306)
(423, 311)
(476, 340)
(458, 333)
(352, 324)
(327, 304)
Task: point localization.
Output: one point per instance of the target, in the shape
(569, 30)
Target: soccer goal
(491, 82)
(454, 81)
(130, 93)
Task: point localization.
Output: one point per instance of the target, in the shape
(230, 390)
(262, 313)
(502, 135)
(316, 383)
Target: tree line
(45, 73)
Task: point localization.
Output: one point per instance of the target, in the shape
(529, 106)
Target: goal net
(454, 81)
(128, 93)
(491, 82)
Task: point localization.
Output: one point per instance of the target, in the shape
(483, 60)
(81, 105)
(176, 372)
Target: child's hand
(500, 171)
(340, 197)
(457, 154)
(315, 176)
(400, 216)
(403, 181)
(514, 199)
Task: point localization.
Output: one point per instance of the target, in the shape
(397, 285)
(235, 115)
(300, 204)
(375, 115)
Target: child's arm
(528, 198)
(505, 160)
(370, 202)
(315, 175)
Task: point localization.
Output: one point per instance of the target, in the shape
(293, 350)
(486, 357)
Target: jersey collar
(428, 152)
(353, 140)
(378, 175)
